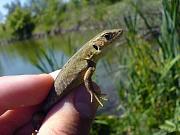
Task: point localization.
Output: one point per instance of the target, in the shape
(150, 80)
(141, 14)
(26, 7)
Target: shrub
(21, 23)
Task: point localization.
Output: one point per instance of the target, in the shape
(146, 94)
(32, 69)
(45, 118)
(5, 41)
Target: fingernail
(83, 103)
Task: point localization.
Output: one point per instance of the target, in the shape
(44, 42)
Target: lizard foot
(98, 97)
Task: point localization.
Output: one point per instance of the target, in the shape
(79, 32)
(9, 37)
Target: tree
(21, 23)
(12, 6)
(1, 17)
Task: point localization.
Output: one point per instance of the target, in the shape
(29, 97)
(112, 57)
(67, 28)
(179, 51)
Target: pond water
(23, 57)
(51, 53)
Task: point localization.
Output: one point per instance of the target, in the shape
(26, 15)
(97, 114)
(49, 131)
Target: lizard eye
(96, 47)
(108, 36)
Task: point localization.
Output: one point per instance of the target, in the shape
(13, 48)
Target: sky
(3, 11)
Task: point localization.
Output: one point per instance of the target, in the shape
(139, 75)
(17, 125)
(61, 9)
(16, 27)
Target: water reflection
(36, 56)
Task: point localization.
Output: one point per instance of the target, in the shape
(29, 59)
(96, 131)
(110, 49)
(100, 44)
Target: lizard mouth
(117, 34)
(120, 32)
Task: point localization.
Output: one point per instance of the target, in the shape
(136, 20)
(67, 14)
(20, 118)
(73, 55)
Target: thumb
(73, 115)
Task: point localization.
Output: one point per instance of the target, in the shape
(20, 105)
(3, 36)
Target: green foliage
(152, 96)
(106, 125)
(45, 59)
(21, 23)
(11, 7)
(52, 15)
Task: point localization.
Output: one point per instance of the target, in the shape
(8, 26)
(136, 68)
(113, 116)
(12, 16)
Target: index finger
(23, 90)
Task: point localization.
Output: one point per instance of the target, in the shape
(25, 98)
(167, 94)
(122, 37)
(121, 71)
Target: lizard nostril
(120, 31)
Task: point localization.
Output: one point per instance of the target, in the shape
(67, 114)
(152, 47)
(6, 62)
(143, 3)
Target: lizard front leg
(89, 84)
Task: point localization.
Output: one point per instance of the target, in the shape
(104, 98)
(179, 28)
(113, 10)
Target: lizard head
(109, 36)
(102, 41)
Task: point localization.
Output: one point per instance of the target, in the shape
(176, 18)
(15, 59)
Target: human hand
(19, 99)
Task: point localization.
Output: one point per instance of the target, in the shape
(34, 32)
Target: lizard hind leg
(98, 99)
(94, 95)
(89, 85)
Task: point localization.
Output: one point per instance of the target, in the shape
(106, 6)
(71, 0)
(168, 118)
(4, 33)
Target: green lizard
(78, 69)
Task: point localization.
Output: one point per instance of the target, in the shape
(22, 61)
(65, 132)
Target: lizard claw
(98, 99)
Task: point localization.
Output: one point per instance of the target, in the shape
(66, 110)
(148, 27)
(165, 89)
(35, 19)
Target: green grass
(150, 97)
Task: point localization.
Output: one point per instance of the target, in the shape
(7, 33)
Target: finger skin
(18, 96)
(23, 90)
(12, 120)
(72, 116)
